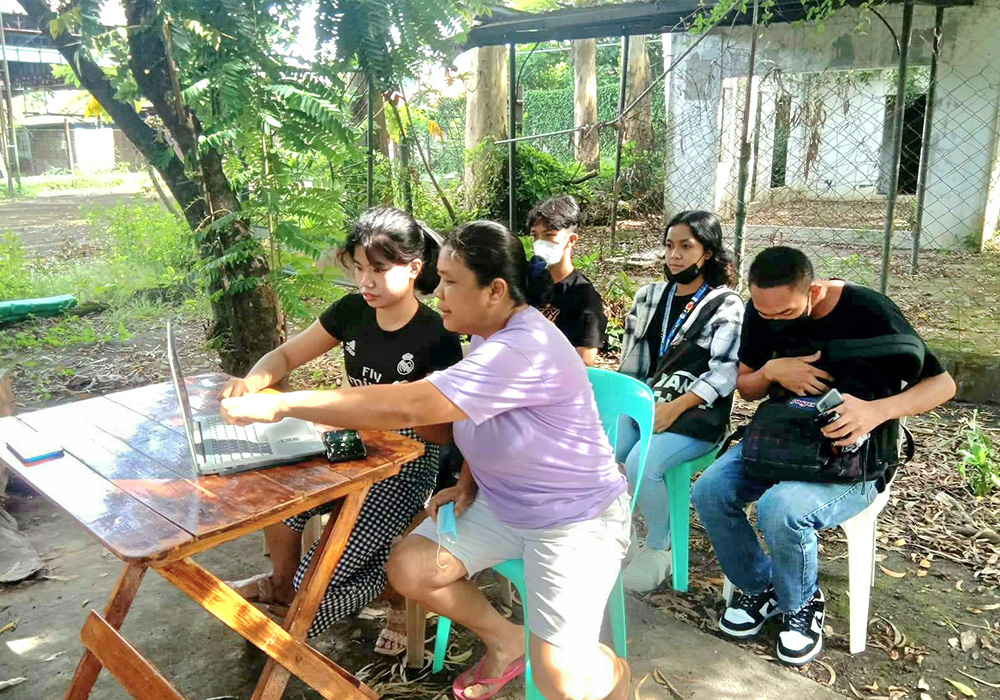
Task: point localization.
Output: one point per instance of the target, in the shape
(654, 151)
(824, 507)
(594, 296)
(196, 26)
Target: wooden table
(127, 478)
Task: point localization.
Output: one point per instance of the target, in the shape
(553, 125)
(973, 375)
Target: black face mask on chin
(686, 276)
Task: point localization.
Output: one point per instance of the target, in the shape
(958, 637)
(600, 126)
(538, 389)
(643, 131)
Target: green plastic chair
(616, 395)
(678, 482)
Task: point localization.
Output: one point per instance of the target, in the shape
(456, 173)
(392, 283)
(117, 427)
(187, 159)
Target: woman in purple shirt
(540, 482)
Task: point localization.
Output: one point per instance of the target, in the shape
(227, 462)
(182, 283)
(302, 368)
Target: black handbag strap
(703, 315)
(909, 447)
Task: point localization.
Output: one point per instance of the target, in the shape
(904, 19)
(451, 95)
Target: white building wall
(963, 190)
(94, 149)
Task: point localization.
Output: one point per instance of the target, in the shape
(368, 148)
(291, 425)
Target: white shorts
(569, 570)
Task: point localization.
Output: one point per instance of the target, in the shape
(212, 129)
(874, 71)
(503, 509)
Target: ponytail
(428, 279)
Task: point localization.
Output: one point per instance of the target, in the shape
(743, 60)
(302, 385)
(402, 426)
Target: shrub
(14, 277)
(145, 235)
(980, 465)
(539, 176)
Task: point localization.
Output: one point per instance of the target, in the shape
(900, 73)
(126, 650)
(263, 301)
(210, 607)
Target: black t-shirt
(860, 313)
(654, 335)
(577, 310)
(376, 356)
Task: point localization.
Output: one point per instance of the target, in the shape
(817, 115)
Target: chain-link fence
(843, 124)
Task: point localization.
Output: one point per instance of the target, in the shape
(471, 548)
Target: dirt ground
(44, 223)
(935, 608)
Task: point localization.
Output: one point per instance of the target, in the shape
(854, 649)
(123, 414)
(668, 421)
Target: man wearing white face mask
(574, 306)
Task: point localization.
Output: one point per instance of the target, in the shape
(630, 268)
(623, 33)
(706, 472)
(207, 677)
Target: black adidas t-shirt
(860, 313)
(577, 310)
(376, 356)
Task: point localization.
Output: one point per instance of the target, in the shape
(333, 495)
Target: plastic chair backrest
(619, 394)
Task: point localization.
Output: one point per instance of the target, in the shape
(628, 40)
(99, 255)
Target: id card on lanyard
(668, 337)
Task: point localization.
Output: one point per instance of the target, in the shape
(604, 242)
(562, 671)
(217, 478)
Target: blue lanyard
(668, 338)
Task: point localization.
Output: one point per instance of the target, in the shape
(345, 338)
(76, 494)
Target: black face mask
(686, 276)
(785, 325)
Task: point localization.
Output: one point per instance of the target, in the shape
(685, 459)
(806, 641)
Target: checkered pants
(389, 509)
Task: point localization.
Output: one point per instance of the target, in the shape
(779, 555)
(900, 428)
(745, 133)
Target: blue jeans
(789, 514)
(666, 451)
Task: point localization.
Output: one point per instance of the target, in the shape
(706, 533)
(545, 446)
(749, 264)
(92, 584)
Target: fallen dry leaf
(890, 572)
(967, 639)
(639, 685)
(922, 685)
(962, 688)
(978, 680)
(12, 682)
(9, 627)
(925, 563)
(461, 658)
(829, 669)
(54, 656)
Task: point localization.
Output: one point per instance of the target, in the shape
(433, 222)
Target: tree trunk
(638, 122)
(358, 85)
(586, 144)
(485, 105)
(244, 304)
(245, 307)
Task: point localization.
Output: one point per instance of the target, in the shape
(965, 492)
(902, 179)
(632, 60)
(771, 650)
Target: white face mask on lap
(548, 251)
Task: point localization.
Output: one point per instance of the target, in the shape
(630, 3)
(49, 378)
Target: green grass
(65, 182)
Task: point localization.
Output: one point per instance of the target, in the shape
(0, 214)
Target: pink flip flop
(473, 676)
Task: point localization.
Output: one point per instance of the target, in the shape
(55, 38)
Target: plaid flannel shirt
(720, 336)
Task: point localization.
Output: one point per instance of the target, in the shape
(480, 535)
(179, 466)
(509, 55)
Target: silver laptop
(218, 448)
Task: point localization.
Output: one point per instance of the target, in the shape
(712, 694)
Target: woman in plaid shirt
(682, 337)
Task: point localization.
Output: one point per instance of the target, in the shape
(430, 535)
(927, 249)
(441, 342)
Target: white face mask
(548, 251)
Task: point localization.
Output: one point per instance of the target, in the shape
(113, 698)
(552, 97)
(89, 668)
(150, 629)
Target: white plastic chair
(861, 544)
(860, 532)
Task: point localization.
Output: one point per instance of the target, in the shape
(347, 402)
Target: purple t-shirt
(533, 438)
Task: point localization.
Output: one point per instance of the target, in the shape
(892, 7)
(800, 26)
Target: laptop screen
(182, 396)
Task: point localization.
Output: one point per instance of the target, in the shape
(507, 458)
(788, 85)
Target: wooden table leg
(114, 613)
(319, 672)
(306, 603)
(134, 673)
(416, 633)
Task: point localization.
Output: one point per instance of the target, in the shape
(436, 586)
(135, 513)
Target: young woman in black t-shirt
(388, 337)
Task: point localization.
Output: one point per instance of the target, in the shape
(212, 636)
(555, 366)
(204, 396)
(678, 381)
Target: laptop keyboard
(231, 442)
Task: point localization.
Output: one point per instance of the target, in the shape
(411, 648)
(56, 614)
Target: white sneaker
(647, 570)
(634, 546)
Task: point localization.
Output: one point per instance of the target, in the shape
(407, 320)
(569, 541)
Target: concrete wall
(94, 148)
(963, 179)
(848, 159)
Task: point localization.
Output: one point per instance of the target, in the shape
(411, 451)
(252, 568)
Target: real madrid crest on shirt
(405, 365)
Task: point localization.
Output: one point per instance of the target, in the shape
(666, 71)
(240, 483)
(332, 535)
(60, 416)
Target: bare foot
(261, 589)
